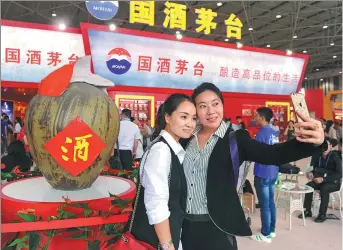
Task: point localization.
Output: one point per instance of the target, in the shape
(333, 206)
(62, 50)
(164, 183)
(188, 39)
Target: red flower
(16, 170)
(3, 166)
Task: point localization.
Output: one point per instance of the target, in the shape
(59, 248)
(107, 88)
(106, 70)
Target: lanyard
(327, 160)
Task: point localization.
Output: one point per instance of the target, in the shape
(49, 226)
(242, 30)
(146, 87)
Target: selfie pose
(214, 215)
(161, 196)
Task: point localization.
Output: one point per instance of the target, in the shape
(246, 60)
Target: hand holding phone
(307, 129)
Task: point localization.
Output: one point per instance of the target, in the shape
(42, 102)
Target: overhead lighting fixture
(239, 45)
(53, 14)
(112, 27)
(304, 51)
(289, 52)
(268, 45)
(251, 28)
(334, 57)
(177, 32)
(325, 27)
(295, 36)
(317, 69)
(340, 72)
(219, 4)
(62, 26)
(178, 36)
(226, 39)
(278, 16)
(305, 78)
(332, 44)
(321, 79)
(24, 93)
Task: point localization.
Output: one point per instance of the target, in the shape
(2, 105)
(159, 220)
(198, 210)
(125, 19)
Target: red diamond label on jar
(76, 147)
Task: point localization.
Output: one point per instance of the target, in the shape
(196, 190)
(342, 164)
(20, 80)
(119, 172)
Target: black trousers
(204, 235)
(125, 158)
(325, 190)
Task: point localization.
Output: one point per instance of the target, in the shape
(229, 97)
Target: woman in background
(289, 131)
(16, 158)
(17, 127)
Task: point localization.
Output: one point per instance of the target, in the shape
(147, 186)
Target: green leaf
(34, 241)
(22, 245)
(121, 174)
(94, 245)
(20, 240)
(78, 236)
(87, 229)
(50, 233)
(87, 212)
(63, 214)
(79, 205)
(27, 217)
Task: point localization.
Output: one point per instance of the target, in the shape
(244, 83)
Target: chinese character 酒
(33, 57)
(163, 65)
(175, 15)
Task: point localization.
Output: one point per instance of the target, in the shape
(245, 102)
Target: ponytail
(160, 122)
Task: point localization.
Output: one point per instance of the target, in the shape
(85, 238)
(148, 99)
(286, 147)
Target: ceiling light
(219, 4)
(24, 93)
(268, 45)
(112, 27)
(239, 45)
(332, 44)
(177, 32)
(178, 36)
(251, 28)
(305, 78)
(334, 57)
(340, 72)
(226, 39)
(289, 52)
(321, 79)
(317, 69)
(325, 27)
(304, 51)
(278, 16)
(53, 13)
(295, 36)
(62, 26)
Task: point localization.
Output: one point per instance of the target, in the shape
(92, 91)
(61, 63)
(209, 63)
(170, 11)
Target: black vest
(141, 229)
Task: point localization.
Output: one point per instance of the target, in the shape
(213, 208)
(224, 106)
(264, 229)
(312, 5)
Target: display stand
(35, 196)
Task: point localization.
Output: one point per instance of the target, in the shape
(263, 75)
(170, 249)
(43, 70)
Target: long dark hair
(168, 107)
(16, 157)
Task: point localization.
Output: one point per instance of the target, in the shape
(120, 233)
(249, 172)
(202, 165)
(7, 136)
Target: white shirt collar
(176, 146)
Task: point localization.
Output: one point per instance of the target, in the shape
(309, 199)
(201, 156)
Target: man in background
(4, 133)
(275, 126)
(265, 178)
(147, 133)
(231, 125)
(239, 119)
(128, 137)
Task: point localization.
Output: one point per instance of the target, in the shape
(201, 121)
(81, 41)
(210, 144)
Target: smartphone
(299, 104)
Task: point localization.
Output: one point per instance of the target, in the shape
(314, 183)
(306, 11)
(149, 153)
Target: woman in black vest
(159, 211)
(214, 215)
